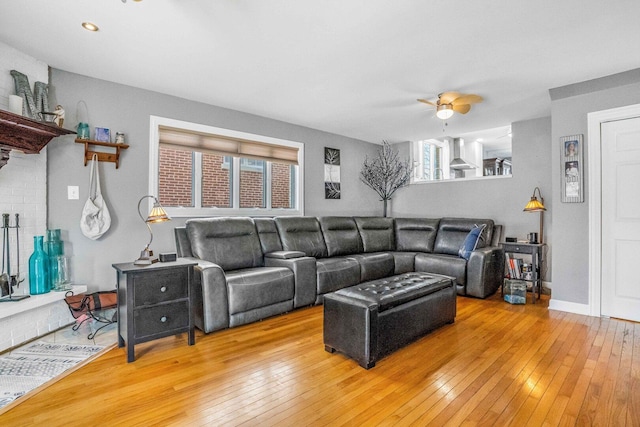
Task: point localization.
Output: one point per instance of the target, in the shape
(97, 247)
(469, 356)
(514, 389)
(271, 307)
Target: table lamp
(157, 214)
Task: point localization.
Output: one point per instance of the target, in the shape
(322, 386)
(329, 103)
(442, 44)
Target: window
(483, 154)
(431, 160)
(199, 170)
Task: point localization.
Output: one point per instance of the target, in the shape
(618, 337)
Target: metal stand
(6, 276)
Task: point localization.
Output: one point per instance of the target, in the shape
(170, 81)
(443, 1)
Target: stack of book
(514, 266)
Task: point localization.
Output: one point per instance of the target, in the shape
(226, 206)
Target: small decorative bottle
(38, 268)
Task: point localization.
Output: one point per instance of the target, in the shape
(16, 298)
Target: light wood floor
(498, 364)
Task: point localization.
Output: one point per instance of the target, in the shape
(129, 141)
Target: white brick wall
(30, 324)
(23, 190)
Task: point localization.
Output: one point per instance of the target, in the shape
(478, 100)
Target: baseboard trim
(570, 307)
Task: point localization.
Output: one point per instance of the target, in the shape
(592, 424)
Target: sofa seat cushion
(252, 288)
(336, 273)
(375, 265)
(449, 265)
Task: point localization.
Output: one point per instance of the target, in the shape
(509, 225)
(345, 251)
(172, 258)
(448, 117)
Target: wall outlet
(73, 192)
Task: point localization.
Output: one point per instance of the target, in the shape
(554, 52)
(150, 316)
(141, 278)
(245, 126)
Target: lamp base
(146, 258)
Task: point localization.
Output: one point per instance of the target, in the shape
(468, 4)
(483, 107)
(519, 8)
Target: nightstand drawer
(161, 318)
(515, 248)
(160, 286)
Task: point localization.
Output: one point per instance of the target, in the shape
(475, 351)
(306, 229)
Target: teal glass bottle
(54, 247)
(38, 268)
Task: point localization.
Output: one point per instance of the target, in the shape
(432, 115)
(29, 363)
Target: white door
(621, 219)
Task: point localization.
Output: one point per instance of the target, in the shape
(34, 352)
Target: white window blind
(183, 139)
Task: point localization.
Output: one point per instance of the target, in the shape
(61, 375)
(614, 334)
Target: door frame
(595, 120)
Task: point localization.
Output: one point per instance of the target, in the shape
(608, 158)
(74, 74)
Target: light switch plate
(73, 192)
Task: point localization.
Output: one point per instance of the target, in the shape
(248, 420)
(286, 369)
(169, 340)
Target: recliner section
(249, 269)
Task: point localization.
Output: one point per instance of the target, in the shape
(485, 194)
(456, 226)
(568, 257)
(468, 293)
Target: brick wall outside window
(280, 186)
(176, 188)
(174, 179)
(216, 187)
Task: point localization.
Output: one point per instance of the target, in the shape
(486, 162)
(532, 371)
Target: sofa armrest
(485, 271)
(210, 298)
(284, 254)
(304, 272)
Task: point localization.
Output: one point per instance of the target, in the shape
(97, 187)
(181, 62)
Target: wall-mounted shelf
(102, 156)
(25, 134)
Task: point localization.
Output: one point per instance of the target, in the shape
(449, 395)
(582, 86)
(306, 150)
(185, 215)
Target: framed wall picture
(572, 164)
(331, 173)
(103, 135)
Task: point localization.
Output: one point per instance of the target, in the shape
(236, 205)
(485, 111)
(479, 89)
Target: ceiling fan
(450, 102)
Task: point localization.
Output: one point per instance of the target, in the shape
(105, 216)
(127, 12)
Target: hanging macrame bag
(95, 220)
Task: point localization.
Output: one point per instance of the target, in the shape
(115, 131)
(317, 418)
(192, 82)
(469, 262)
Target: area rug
(35, 364)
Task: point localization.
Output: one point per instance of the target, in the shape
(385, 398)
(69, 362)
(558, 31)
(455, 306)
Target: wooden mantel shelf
(102, 156)
(25, 134)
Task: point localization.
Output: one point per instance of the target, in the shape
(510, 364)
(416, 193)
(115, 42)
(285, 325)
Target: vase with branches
(385, 173)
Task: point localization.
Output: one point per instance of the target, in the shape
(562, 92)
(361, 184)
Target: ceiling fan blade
(467, 99)
(428, 102)
(448, 97)
(461, 108)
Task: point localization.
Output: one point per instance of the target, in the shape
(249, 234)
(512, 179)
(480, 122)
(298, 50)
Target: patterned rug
(33, 365)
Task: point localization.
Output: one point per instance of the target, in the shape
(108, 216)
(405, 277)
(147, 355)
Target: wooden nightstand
(154, 301)
(536, 252)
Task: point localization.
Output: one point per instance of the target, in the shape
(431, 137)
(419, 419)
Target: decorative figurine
(59, 118)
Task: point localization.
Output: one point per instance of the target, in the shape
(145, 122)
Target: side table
(154, 301)
(535, 250)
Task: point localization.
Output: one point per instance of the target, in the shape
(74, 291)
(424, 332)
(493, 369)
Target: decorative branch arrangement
(385, 173)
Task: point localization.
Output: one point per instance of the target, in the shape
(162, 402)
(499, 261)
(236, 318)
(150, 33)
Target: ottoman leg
(329, 349)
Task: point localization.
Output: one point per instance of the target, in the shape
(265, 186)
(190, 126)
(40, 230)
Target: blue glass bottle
(38, 268)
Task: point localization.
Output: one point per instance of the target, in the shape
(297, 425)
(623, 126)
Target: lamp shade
(157, 214)
(534, 205)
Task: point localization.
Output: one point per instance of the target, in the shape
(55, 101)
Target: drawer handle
(163, 319)
(163, 289)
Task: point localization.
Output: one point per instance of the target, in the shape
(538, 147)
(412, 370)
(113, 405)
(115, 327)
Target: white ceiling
(351, 67)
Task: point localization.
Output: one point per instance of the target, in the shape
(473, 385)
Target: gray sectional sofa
(252, 268)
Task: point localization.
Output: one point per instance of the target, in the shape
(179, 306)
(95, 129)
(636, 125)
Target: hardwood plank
(498, 364)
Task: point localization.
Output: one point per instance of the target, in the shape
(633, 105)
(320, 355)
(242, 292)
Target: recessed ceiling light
(90, 26)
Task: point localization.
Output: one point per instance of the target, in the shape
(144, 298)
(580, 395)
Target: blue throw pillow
(471, 241)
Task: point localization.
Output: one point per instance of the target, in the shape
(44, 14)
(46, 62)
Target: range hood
(458, 161)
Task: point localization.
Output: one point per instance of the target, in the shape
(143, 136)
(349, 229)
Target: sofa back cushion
(301, 234)
(268, 234)
(183, 245)
(416, 234)
(376, 233)
(453, 231)
(232, 243)
(340, 235)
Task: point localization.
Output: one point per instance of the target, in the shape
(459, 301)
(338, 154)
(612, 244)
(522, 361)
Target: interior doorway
(614, 135)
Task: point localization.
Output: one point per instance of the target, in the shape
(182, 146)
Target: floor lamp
(536, 205)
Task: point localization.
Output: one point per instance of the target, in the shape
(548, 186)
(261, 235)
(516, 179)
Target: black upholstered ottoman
(371, 320)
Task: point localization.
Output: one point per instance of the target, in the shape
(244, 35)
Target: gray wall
(127, 109)
(501, 199)
(570, 106)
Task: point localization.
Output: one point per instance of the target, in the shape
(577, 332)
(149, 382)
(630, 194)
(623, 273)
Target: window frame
(198, 211)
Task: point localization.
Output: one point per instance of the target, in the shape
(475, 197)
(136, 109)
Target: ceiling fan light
(444, 111)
